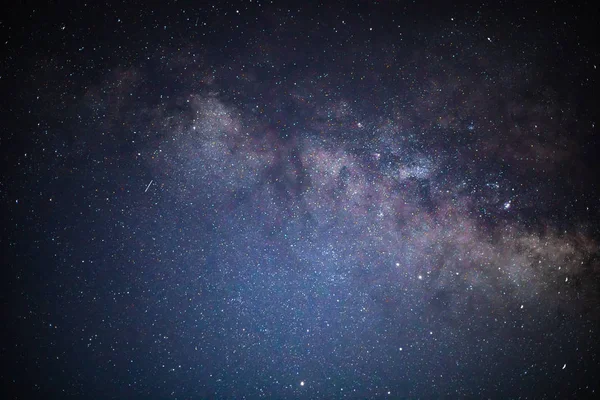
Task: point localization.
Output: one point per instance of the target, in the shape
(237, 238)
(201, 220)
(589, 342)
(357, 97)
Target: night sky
(321, 200)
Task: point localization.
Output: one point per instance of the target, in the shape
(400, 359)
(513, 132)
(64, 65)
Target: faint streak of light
(148, 187)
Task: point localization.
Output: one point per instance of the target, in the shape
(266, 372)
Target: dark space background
(371, 199)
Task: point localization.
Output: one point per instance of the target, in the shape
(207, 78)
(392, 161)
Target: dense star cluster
(260, 200)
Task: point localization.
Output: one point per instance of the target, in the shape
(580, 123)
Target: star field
(267, 200)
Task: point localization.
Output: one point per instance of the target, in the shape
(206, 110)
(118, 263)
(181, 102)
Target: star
(255, 197)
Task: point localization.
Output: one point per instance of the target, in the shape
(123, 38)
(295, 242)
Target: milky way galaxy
(333, 201)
